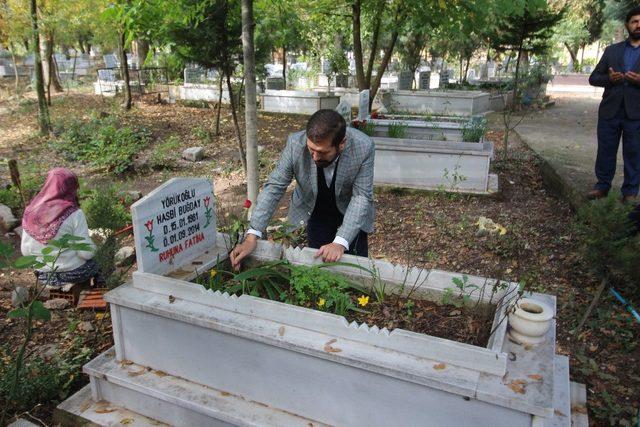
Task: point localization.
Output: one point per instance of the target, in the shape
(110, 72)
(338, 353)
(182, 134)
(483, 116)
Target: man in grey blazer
(333, 169)
(619, 114)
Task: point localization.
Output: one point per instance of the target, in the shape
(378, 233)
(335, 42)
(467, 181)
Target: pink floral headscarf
(57, 199)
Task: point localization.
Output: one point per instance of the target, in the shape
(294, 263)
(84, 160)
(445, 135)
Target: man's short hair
(633, 12)
(326, 124)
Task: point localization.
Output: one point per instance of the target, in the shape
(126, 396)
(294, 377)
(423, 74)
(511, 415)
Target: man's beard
(634, 35)
(323, 163)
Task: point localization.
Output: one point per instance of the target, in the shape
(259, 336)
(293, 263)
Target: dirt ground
(428, 229)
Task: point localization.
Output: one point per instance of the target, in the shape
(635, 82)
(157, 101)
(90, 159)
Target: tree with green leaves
(209, 33)
(581, 25)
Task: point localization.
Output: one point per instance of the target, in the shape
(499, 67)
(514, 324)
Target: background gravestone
(363, 105)
(342, 80)
(344, 109)
(444, 79)
(405, 80)
(275, 83)
(425, 80)
(174, 224)
(194, 75)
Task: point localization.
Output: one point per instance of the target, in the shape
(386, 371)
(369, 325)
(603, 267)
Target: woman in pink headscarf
(53, 213)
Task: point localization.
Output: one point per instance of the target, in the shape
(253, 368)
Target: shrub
(104, 210)
(42, 381)
(101, 142)
(163, 155)
(31, 180)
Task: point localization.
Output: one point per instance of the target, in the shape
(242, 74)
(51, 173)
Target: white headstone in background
(174, 224)
(363, 105)
(344, 109)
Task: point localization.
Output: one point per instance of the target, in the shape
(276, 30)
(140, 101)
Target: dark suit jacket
(616, 93)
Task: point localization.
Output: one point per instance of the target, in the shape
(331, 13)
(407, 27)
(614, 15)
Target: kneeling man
(333, 169)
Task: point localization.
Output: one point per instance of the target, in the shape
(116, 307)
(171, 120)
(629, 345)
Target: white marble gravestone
(363, 105)
(344, 109)
(174, 224)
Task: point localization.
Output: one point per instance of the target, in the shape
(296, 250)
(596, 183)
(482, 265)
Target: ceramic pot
(529, 320)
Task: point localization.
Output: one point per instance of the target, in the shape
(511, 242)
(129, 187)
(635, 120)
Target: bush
(164, 155)
(104, 210)
(101, 142)
(42, 381)
(610, 243)
(32, 180)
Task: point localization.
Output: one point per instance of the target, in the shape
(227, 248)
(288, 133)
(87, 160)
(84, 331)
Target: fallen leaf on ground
(160, 373)
(535, 377)
(136, 373)
(559, 413)
(171, 299)
(329, 349)
(126, 421)
(439, 366)
(516, 387)
(105, 411)
(281, 331)
(580, 409)
(125, 362)
(225, 393)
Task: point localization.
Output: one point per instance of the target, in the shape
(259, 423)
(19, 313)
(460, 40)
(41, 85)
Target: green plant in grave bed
(474, 129)
(460, 296)
(305, 286)
(397, 130)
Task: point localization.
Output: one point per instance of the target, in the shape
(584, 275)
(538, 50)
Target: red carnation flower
(207, 200)
(149, 225)
(247, 204)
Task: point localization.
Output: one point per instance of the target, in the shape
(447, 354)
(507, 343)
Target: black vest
(325, 218)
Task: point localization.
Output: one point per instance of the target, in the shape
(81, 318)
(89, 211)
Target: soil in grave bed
(356, 299)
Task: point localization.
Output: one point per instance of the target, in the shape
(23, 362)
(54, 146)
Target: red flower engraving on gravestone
(208, 211)
(247, 204)
(149, 237)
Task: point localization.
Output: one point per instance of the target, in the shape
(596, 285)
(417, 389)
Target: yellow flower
(363, 300)
(321, 302)
(213, 273)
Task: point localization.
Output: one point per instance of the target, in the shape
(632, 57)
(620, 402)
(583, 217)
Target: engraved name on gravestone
(344, 109)
(174, 224)
(363, 105)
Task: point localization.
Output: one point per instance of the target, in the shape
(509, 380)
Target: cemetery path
(564, 136)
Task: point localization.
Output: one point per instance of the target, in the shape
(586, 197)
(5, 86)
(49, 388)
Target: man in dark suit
(619, 114)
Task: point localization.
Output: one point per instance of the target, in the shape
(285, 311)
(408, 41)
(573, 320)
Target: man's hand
(331, 252)
(242, 250)
(615, 76)
(632, 77)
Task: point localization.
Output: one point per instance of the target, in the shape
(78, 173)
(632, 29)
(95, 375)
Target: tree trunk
(462, 76)
(125, 71)
(15, 68)
(383, 66)
(52, 69)
(466, 69)
(235, 122)
(44, 121)
(140, 48)
(374, 44)
(284, 66)
(573, 53)
(357, 46)
(251, 109)
(219, 106)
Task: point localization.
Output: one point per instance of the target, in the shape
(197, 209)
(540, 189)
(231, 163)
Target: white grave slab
(174, 224)
(363, 105)
(344, 109)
